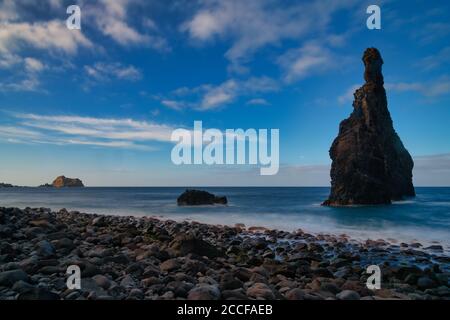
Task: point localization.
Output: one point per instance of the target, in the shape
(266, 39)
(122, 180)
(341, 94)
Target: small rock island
(198, 197)
(370, 165)
(63, 182)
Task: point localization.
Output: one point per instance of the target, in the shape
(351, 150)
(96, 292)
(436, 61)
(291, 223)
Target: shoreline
(128, 257)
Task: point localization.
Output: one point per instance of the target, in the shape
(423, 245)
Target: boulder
(184, 244)
(260, 291)
(204, 292)
(8, 278)
(38, 294)
(198, 197)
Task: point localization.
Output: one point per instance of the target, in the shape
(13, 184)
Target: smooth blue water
(425, 218)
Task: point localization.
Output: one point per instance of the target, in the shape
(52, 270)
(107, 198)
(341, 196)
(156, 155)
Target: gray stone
(8, 278)
(102, 281)
(348, 295)
(260, 290)
(425, 283)
(45, 248)
(38, 294)
(22, 286)
(169, 265)
(204, 292)
(128, 282)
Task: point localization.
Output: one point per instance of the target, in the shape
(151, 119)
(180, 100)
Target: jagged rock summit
(62, 182)
(370, 165)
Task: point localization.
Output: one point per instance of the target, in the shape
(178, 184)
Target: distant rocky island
(7, 185)
(370, 164)
(64, 182)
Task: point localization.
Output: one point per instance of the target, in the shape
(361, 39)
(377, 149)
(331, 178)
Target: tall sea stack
(370, 164)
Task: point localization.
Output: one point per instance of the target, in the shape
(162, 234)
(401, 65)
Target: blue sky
(100, 103)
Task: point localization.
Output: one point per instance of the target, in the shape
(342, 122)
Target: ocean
(424, 219)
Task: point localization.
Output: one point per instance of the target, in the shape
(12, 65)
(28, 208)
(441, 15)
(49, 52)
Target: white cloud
(33, 65)
(9, 60)
(173, 104)
(101, 132)
(432, 32)
(258, 102)
(105, 71)
(30, 84)
(432, 89)
(112, 20)
(220, 95)
(51, 35)
(435, 61)
(208, 97)
(307, 60)
(255, 24)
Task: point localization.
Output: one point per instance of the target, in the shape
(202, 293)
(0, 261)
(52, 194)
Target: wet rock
(22, 286)
(45, 248)
(425, 283)
(169, 265)
(229, 282)
(260, 290)
(435, 247)
(197, 197)
(8, 278)
(295, 294)
(348, 295)
(236, 294)
(64, 243)
(102, 281)
(184, 244)
(136, 294)
(204, 292)
(38, 294)
(128, 282)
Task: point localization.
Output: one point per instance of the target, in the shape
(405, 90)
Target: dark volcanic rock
(370, 164)
(198, 197)
(184, 244)
(38, 294)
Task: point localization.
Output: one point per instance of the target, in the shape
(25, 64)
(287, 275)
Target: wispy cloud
(431, 32)
(209, 97)
(437, 60)
(111, 18)
(310, 59)
(51, 35)
(258, 102)
(28, 84)
(77, 130)
(432, 89)
(242, 22)
(106, 71)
